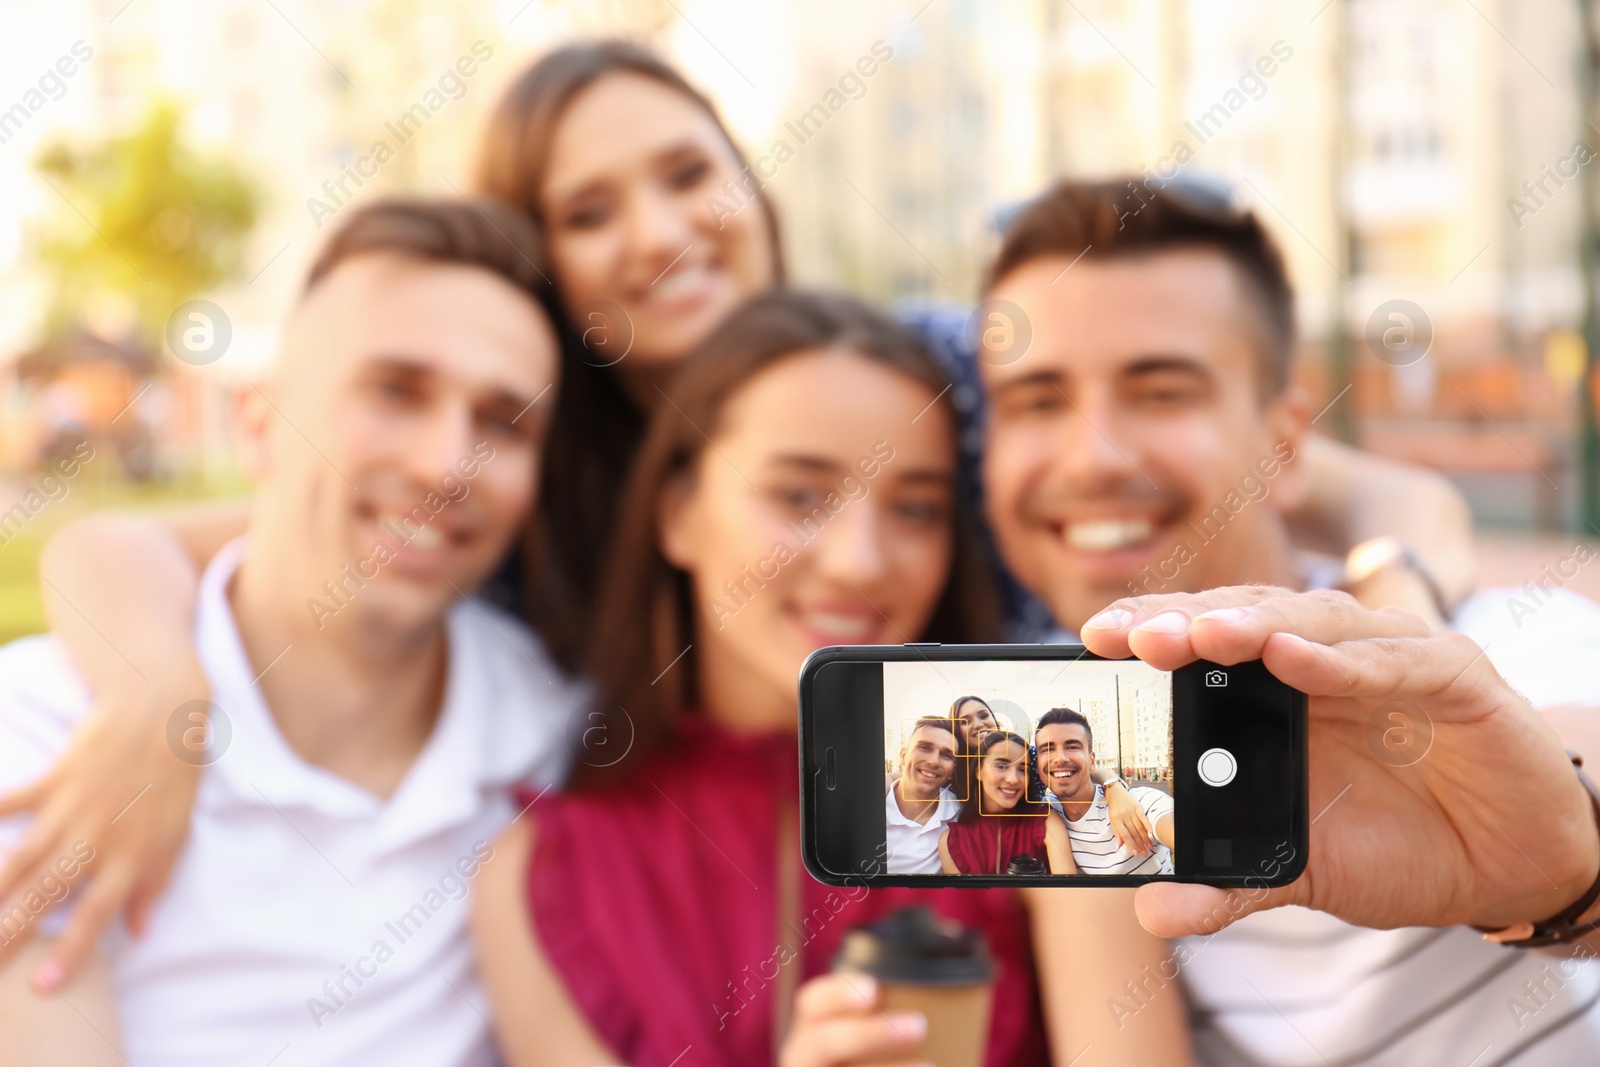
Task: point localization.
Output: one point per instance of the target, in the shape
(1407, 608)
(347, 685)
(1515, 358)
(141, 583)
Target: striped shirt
(1095, 847)
(1300, 988)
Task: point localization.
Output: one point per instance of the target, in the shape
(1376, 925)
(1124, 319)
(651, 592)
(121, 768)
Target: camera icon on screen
(1216, 680)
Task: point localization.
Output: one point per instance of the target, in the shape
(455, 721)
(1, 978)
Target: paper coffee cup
(929, 965)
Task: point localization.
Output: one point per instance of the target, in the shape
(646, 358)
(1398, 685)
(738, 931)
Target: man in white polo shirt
(919, 802)
(368, 721)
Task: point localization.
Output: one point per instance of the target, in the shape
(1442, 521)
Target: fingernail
(866, 986)
(1225, 615)
(1168, 622)
(911, 1025)
(47, 976)
(1110, 619)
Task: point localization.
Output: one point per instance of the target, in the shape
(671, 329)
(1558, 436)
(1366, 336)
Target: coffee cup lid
(912, 946)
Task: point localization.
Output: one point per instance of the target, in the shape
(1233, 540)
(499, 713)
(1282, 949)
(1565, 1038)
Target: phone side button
(920, 644)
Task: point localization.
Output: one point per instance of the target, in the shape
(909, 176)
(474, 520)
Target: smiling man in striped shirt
(1148, 441)
(1064, 743)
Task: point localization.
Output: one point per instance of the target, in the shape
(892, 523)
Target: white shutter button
(1217, 766)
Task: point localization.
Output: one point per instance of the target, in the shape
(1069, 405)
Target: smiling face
(976, 722)
(1003, 776)
(926, 764)
(1065, 761)
(820, 514)
(399, 435)
(1133, 416)
(630, 200)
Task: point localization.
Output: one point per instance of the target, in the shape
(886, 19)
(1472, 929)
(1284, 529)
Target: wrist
(1385, 571)
(1577, 897)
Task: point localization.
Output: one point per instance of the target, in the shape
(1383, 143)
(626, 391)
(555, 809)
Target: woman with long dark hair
(809, 445)
(998, 823)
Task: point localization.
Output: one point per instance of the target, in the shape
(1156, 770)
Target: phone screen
(986, 753)
(981, 764)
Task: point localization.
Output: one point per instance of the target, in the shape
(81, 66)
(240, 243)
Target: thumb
(1178, 910)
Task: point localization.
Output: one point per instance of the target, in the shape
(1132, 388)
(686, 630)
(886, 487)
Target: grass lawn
(20, 609)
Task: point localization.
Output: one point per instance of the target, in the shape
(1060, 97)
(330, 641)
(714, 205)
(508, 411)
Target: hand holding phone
(1438, 795)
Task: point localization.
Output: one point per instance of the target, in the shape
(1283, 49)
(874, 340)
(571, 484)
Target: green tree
(144, 216)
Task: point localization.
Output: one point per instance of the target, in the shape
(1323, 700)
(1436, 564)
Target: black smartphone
(973, 765)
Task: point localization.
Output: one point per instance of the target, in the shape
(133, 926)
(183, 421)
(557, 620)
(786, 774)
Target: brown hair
(647, 608)
(475, 233)
(597, 428)
(1109, 219)
(515, 151)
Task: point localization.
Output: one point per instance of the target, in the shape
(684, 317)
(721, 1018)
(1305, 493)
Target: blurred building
(1416, 150)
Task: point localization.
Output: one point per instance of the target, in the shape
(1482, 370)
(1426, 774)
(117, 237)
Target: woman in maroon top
(798, 490)
(998, 823)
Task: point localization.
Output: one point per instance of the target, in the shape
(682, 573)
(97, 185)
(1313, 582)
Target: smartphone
(944, 765)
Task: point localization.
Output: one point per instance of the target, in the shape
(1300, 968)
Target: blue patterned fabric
(943, 327)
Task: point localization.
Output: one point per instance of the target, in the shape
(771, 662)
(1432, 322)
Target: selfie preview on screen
(1028, 767)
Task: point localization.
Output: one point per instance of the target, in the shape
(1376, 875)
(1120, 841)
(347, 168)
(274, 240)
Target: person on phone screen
(975, 718)
(1065, 745)
(918, 802)
(998, 825)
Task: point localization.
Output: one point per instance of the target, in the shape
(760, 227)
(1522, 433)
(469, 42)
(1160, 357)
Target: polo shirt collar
(946, 810)
(258, 767)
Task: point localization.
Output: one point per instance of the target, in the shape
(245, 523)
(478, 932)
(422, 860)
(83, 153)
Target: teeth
(1107, 535)
(680, 282)
(848, 627)
(427, 537)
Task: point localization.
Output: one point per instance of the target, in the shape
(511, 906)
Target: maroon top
(658, 907)
(972, 845)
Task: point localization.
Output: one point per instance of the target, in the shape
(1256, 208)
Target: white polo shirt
(913, 847)
(308, 921)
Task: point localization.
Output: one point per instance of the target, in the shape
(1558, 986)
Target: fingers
(1134, 831)
(1391, 668)
(835, 994)
(148, 887)
(29, 798)
(1106, 633)
(1145, 832)
(24, 866)
(837, 1022)
(1178, 910)
(865, 1039)
(94, 912)
(1232, 625)
(1233, 635)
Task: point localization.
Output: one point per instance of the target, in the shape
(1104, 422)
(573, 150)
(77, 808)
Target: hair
(972, 806)
(1109, 220)
(936, 723)
(596, 428)
(1065, 716)
(955, 707)
(646, 617)
(481, 233)
(966, 762)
